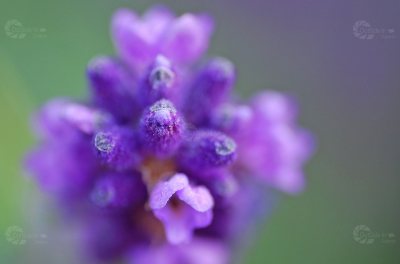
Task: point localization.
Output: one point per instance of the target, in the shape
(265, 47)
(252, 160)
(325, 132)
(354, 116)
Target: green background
(348, 90)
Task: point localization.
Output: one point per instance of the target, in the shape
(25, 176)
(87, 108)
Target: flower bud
(207, 150)
(159, 82)
(161, 128)
(117, 148)
(112, 88)
(209, 90)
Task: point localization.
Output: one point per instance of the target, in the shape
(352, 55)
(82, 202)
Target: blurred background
(346, 78)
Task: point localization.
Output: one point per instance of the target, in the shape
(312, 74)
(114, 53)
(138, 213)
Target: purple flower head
(181, 207)
(160, 165)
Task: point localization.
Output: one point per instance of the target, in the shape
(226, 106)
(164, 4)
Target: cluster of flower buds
(161, 165)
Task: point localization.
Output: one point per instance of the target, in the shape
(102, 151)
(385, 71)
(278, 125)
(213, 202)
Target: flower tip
(161, 128)
(104, 142)
(222, 69)
(101, 73)
(207, 150)
(117, 148)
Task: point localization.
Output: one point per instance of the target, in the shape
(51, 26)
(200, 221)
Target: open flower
(181, 207)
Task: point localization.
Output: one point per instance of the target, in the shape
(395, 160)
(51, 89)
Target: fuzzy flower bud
(207, 150)
(112, 87)
(210, 88)
(159, 82)
(161, 128)
(117, 148)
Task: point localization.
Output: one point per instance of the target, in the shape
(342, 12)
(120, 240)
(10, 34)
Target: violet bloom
(181, 207)
(159, 165)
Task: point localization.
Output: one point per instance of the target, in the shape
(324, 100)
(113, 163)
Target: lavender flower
(159, 165)
(181, 207)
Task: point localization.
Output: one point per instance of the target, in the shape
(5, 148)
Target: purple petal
(233, 120)
(192, 210)
(274, 148)
(199, 198)
(179, 226)
(187, 38)
(133, 40)
(62, 118)
(275, 107)
(158, 18)
(163, 191)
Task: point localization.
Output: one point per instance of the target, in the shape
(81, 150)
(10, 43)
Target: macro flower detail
(162, 163)
(161, 128)
(207, 150)
(117, 148)
(139, 40)
(181, 207)
(210, 88)
(159, 82)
